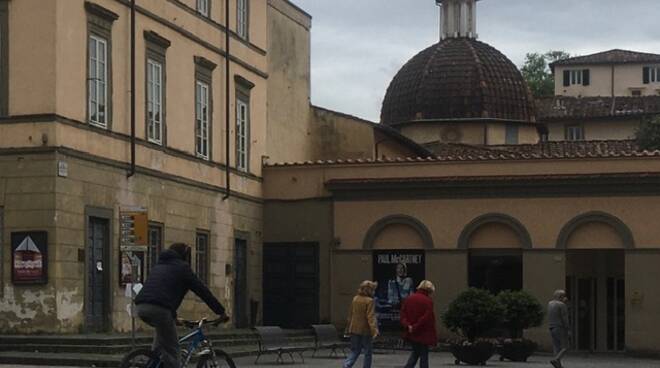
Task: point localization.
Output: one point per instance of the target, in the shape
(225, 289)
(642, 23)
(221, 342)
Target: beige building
(601, 96)
(66, 152)
(490, 208)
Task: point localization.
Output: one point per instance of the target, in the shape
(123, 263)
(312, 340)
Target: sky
(359, 45)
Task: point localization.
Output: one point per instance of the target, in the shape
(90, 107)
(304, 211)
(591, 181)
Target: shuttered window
(577, 77)
(574, 133)
(202, 256)
(651, 74)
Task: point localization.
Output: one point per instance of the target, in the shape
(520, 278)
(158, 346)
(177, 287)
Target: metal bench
(327, 338)
(273, 340)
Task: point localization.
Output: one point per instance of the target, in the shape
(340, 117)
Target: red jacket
(417, 311)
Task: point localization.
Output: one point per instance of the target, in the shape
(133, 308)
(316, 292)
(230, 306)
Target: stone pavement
(446, 360)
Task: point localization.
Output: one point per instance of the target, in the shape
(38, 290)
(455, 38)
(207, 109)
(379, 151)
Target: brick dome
(458, 78)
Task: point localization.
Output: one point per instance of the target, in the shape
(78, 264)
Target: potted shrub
(471, 314)
(521, 311)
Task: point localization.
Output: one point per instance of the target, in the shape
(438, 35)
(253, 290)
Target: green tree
(536, 71)
(648, 134)
(521, 311)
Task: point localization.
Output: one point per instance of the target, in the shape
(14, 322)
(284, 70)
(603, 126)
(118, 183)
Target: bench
(273, 340)
(326, 337)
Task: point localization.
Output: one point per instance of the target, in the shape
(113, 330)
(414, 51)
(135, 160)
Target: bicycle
(194, 343)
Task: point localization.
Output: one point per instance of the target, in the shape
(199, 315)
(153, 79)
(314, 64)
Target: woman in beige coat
(362, 325)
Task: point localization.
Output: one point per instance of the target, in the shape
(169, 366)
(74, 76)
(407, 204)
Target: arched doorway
(495, 243)
(398, 245)
(595, 244)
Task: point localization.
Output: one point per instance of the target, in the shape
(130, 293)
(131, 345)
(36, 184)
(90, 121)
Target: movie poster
(397, 272)
(126, 270)
(29, 257)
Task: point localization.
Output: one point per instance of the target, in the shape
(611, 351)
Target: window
(155, 101)
(636, 92)
(4, 58)
(98, 81)
(99, 64)
(203, 7)
(574, 133)
(202, 256)
(511, 134)
(242, 18)
(576, 77)
(242, 133)
(155, 87)
(651, 74)
(155, 243)
(202, 120)
(243, 87)
(203, 107)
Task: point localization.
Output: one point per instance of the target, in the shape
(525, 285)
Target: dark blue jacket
(170, 280)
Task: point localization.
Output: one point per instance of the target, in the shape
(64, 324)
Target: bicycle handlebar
(199, 323)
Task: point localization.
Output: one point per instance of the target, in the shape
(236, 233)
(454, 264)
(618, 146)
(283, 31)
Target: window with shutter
(646, 75)
(567, 78)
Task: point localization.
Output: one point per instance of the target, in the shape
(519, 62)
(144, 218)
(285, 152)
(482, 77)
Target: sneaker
(555, 363)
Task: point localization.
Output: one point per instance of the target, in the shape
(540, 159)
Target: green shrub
(648, 134)
(472, 313)
(521, 311)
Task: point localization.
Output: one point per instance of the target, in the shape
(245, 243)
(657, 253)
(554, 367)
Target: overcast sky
(359, 45)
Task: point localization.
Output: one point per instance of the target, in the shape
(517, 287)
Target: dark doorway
(97, 298)
(291, 284)
(495, 271)
(241, 312)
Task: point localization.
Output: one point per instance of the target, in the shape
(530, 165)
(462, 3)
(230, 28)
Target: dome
(458, 78)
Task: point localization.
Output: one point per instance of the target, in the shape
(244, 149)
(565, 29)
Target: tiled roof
(562, 107)
(541, 151)
(457, 78)
(616, 56)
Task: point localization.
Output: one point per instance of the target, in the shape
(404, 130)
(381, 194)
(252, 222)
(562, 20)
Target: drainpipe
(227, 101)
(131, 172)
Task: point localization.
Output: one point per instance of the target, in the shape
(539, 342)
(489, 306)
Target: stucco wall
(626, 78)
(642, 301)
(35, 199)
(596, 129)
(289, 78)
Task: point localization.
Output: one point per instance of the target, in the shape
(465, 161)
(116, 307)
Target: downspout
(227, 101)
(131, 171)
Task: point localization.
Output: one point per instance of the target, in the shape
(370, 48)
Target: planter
(476, 353)
(517, 350)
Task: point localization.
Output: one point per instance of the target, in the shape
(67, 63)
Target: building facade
(66, 151)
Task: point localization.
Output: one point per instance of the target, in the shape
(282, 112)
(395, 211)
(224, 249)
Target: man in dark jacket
(162, 294)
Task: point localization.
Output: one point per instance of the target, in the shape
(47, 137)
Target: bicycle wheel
(140, 358)
(222, 360)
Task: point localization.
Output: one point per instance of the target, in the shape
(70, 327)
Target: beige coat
(362, 317)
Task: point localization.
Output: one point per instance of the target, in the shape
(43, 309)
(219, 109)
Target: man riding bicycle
(162, 294)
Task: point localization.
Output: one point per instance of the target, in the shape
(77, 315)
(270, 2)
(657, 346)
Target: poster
(29, 257)
(125, 270)
(397, 272)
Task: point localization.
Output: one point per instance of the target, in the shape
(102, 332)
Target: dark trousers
(166, 342)
(420, 352)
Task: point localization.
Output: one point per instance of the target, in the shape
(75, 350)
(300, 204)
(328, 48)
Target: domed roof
(458, 78)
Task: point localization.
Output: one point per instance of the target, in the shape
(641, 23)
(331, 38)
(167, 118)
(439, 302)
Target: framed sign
(398, 272)
(29, 257)
(126, 271)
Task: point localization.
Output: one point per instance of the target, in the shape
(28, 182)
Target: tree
(536, 72)
(521, 311)
(472, 313)
(648, 134)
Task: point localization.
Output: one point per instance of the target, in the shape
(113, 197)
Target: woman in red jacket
(418, 319)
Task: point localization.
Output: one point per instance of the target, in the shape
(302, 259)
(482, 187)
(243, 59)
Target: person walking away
(161, 296)
(362, 325)
(418, 320)
(559, 326)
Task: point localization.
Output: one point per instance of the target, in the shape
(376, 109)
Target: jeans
(419, 352)
(559, 342)
(359, 343)
(166, 341)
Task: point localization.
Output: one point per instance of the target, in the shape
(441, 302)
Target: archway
(495, 242)
(595, 244)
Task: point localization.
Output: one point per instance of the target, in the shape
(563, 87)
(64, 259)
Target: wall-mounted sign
(128, 262)
(133, 226)
(29, 257)
(397, 272)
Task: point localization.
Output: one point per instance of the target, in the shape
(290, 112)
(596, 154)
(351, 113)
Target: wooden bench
(273, 340)
(326, 337)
